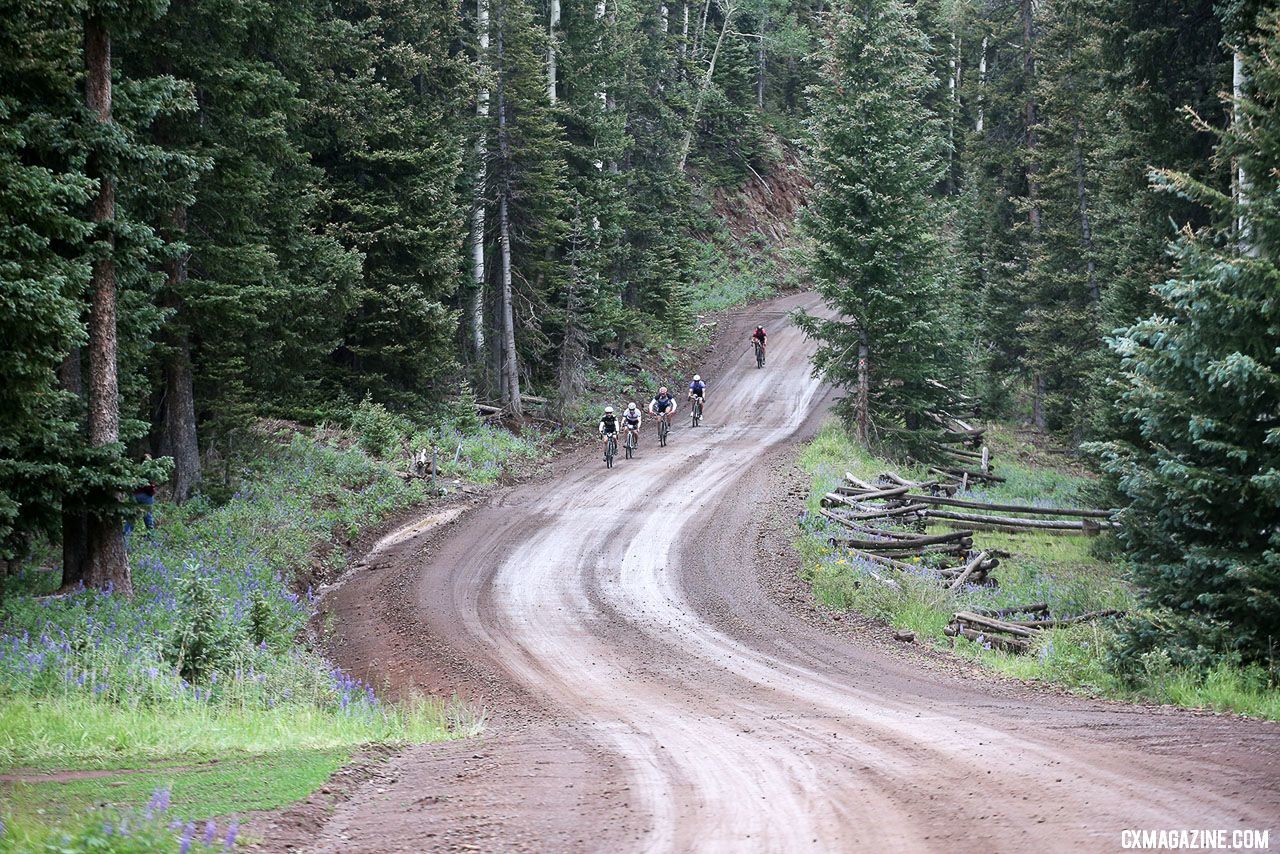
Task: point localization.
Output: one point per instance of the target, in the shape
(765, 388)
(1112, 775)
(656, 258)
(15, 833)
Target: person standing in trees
(145, 496)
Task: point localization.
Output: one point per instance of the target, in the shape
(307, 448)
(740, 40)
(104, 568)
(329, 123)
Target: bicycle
(664, 427)
(610, 450)
(759, 353)
(629, 444)
(695, 411)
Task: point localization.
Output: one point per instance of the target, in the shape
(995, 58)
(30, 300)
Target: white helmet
(697, 379)
(633, 406)
(608, 410)
(662, 390)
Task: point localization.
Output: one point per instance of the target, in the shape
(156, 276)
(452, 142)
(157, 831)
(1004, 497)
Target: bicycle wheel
(662, 433)
(630, 444)
(610, 448)
(759, 355)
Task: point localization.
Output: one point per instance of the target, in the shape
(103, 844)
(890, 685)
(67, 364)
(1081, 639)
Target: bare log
(1012, 508)
(992, 623)
(1007, 521)
(1005, 643)
(1037, 607)
(972, 475)
(969, 569)
(1066, 621)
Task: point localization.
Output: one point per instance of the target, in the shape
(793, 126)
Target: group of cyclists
(626, 425)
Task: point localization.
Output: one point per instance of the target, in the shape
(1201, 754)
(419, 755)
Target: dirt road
(648, 692)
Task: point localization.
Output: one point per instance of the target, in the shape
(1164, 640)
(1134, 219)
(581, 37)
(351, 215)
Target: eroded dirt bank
(651, 686)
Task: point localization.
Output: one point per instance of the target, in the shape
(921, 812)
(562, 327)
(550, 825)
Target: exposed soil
(657, 678)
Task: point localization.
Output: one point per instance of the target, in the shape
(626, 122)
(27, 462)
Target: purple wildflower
(210, 832)
(184, 844)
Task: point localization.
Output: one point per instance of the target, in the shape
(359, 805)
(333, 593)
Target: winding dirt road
(650, 689)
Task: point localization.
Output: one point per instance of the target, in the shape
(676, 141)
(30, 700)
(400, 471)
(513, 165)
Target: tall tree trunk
(553, 28)
(107, 563)
(1244, 240)
(862, 413)
(1086, 227)
(180, 439)
(476, 307)
(729, 11)
(1029, 112)
(953, 91)
(684, 37)
(75, 522)
(510, 378)
(664, 15)
(982, 88)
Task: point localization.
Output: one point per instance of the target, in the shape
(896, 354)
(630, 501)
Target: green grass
(216, 789)
(78, 732)
(1063, 571)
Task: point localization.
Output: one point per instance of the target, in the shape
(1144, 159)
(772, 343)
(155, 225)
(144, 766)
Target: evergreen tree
(387, 104)
(1202, 396)
(42, 274)
(876, 158)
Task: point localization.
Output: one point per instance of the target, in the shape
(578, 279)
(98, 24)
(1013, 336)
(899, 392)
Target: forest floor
(656, 675)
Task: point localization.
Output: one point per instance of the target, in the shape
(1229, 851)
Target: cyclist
(698, 389)
(631, 421)
(760, 335)
(608, 424)
(663, 405)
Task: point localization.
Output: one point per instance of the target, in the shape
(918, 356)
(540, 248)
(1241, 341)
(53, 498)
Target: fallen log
(891, 492)
(1007, 521)
(911, 546)
(969, 569)
(992, 624)
(1018, 609)
(1066, 621)
(486, 409)
(888, 512)
(861, 484)
(1006, 643)
(1012, 508)
(964, 473)
(853, 525)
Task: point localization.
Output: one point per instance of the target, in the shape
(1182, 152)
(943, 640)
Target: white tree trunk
(982, 86)
(476, 308)
(665, 14)
(510, 368)
(1240, 79)
(553, 28)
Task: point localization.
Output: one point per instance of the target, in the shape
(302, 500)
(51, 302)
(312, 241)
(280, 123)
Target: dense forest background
(217, 210)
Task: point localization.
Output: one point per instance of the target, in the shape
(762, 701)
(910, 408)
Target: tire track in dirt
(646, 693)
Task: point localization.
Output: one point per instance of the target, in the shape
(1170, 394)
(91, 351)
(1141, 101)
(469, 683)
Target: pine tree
(41, 195)
(1202, 397)
(876, 158)
(391, 96)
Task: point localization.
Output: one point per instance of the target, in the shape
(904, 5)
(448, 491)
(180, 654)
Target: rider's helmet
(662, 390)
(697, 379)
(632, 406)
(608, 410)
